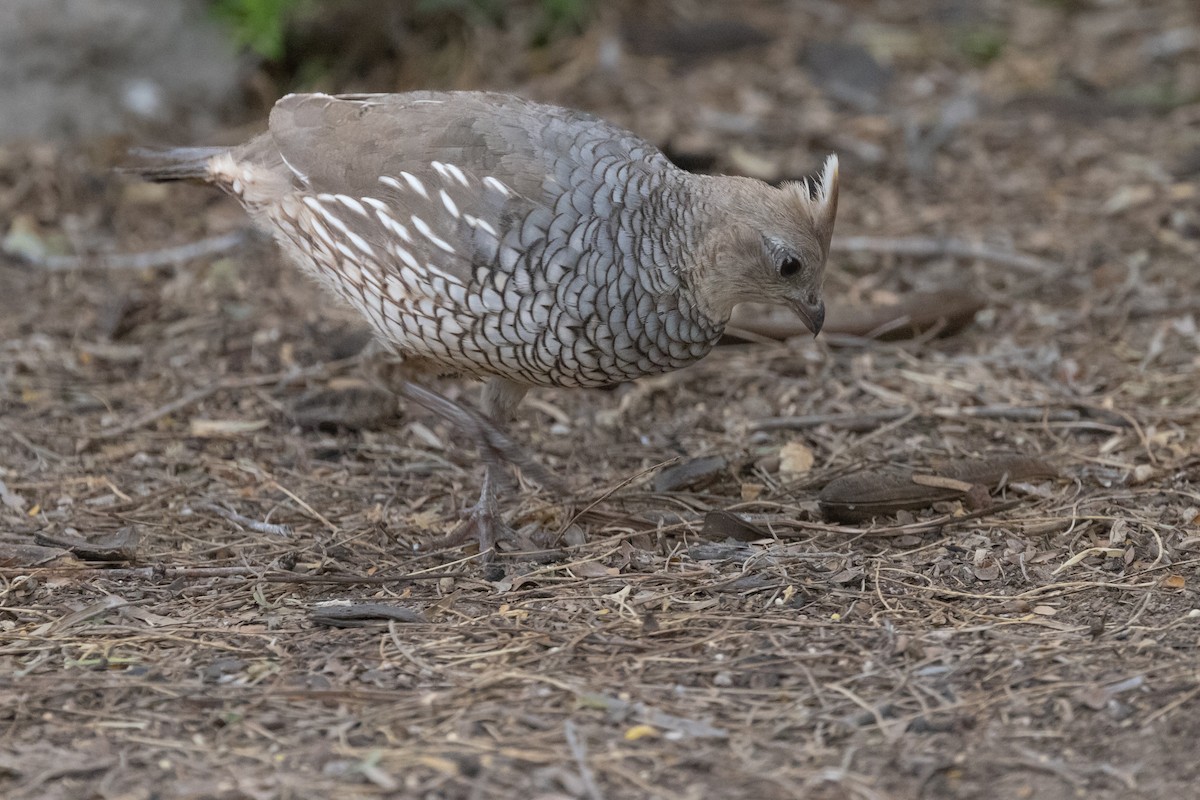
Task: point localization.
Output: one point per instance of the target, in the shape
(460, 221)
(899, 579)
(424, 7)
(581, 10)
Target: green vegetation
(259, 24)
(490, 12)
(981, 44)
(554, 16)
(561, 17)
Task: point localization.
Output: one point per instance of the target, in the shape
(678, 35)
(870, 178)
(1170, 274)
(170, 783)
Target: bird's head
(769, 244)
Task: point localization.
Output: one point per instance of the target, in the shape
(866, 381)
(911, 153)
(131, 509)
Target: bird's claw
(483, 522)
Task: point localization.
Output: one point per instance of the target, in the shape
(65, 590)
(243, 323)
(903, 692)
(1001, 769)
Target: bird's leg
(500, 399)
(494, 444)
(483, 519)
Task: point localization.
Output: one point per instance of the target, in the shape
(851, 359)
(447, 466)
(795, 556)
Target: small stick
(1011, 413)
(270, 528)
(39, 451)
(850, 421)
(204, 392)
(579, 753)
(781, 525)
(317, 515)
(922, 247)
(150, 259)
(1174, 704)
(868, 420)
(168, 574)
(152, 416)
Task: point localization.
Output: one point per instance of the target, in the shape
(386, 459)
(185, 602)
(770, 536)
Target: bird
(527, 245)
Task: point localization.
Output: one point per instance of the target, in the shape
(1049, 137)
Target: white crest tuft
(820, 195)
(816, 190)
(829, 179)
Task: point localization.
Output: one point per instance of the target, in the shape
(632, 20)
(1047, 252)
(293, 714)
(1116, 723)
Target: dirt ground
(211, 431)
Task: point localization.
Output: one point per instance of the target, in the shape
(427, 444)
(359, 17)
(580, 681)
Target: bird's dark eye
(790, 267)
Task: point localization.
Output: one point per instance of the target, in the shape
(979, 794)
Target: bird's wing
(475, 179)
(344, 144)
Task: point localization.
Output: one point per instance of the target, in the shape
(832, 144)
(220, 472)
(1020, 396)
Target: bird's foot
(487, 526)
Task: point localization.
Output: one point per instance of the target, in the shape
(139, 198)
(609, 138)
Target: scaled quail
(525, 244)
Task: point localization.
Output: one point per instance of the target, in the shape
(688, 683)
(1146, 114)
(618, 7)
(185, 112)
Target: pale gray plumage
(485, 234)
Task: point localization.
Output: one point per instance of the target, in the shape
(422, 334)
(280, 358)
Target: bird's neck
(716, 290)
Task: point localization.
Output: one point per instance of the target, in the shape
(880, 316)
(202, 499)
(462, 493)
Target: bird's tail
(173, 164)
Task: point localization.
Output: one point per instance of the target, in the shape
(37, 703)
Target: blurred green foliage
(563, 16)
(981, 44)
(260, 25)
(487, 11)
(555, 17)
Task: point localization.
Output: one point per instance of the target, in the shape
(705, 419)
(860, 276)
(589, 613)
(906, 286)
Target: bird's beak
(813, 314)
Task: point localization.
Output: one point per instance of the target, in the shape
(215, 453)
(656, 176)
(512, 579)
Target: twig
(39, 451)
(1072, 418)
(922, 247)
(782, 525)
(579, 753)
(168, 574)
(848, 421)
(1174, 704)
(152, 416)
(610, 492)
(1052, 766)
(295, 498)
(869, 420)
(150, 259)
(270, 528)
(1012, 413)
(203, 393)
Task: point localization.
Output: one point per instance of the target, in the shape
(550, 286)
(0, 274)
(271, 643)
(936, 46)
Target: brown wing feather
(543, 156)
(344, 143)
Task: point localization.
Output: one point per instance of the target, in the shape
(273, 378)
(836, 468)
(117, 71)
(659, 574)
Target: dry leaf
(987, 572)
(942, 482)
(1107, 552)
(593, 569)
(32, 555)
(695, 473)
(224, 427)
(752, 491)
(641, 732)
(795, 458)
(721, 525)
